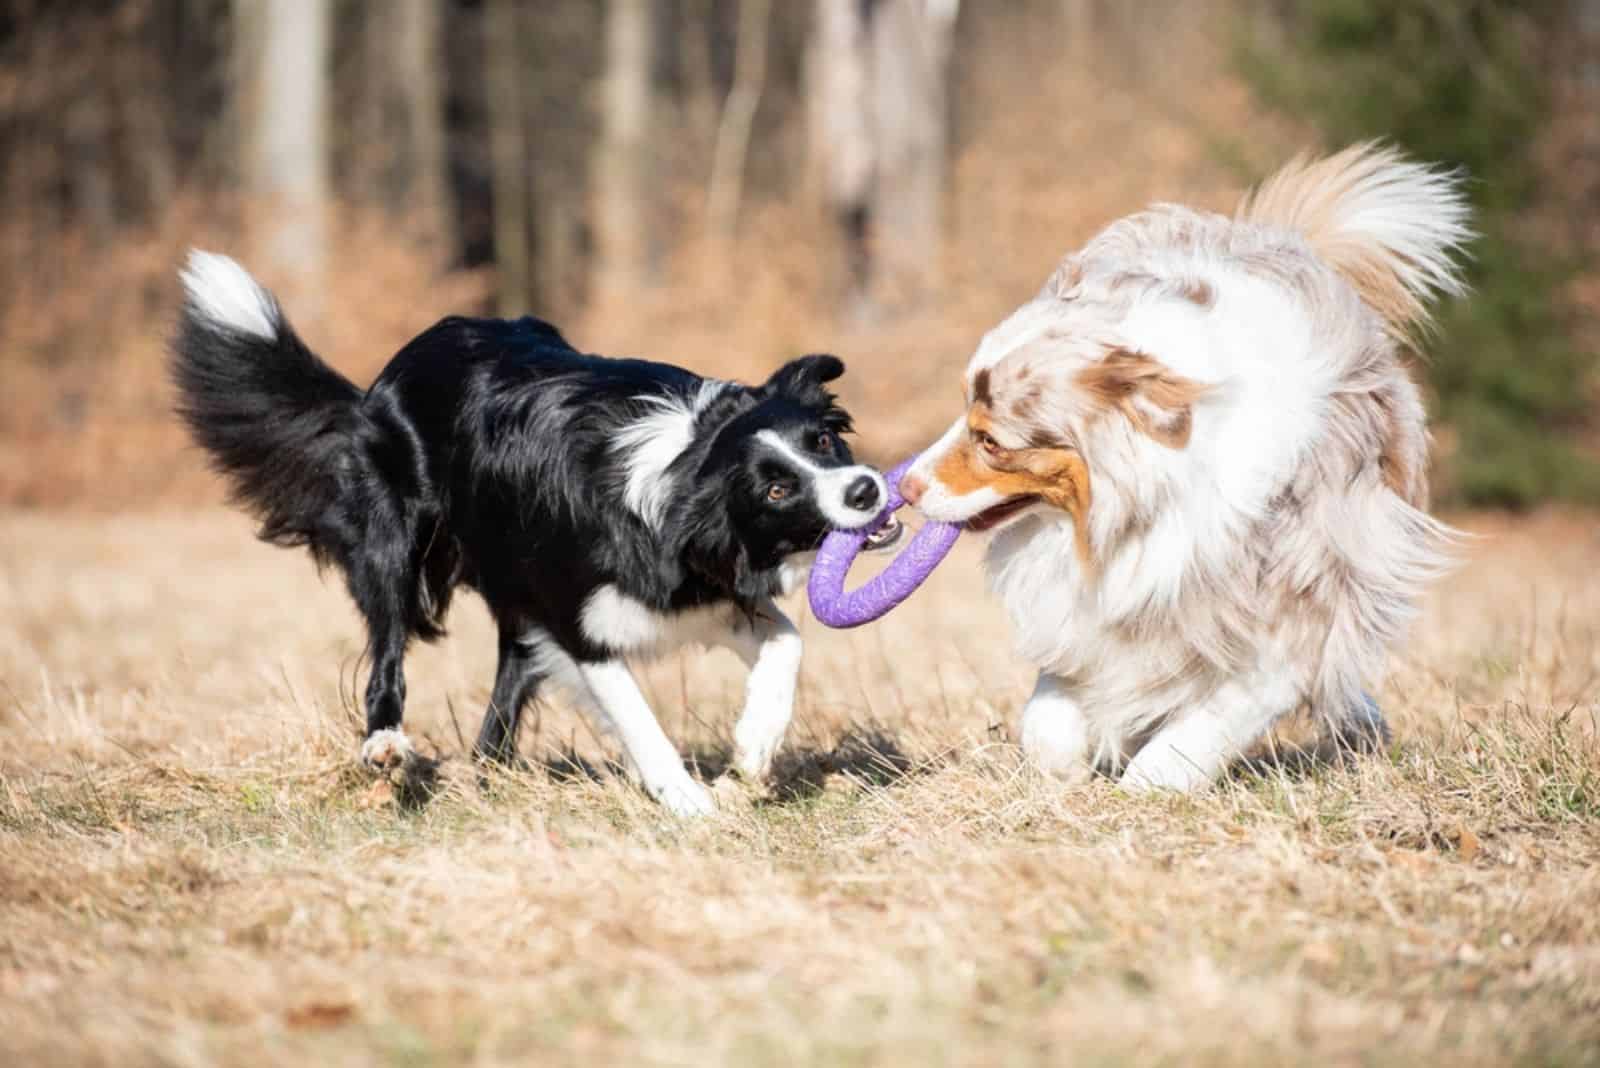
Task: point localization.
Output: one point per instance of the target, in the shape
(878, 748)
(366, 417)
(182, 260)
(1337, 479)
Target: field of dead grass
(193, 872)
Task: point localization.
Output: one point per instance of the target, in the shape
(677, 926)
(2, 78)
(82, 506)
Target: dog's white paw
(754, 762)
(686, 799)
(1059, 750)
(733, 793)
(1055, 735)
(1165, 772)
(761, 728)
(386, 749)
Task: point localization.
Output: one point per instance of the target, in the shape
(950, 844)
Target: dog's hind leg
(516, 682)
(1356, 729)
(771, 648)
(1362, 729)
(1191, 751)
(386, 744)
(377, 580)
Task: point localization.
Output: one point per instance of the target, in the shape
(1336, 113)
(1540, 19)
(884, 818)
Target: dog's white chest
(613, 620)
(1064, 623)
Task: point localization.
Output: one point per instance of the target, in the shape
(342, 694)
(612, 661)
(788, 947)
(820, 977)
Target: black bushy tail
(278, 422)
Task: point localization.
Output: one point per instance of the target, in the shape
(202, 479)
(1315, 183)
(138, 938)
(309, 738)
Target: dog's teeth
(885, 533)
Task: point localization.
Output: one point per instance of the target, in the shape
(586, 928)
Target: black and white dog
(603, 508)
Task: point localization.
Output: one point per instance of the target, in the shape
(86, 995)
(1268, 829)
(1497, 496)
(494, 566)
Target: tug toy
(908, 570)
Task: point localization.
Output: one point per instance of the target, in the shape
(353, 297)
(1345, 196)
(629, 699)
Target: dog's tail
(277, 421)
(1393, 228)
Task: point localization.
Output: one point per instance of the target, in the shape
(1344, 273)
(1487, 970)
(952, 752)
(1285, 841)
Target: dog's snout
(862, 494)
(912, 487)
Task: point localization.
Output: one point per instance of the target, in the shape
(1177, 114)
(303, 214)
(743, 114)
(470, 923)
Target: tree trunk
(140, 77)
(696, 30)
(419, 49)
(283, 53)
(1587, 17)
(403, 130)
(879, 83)
(624, 163)
(1587, 102)
(1078, 17)
(738, 115)
(910, 102)
(509, 155)
(842, 148)
(90, 163)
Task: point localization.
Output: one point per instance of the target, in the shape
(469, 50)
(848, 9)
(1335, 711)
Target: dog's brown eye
(824, 442)
(985, 442)
(777, 491)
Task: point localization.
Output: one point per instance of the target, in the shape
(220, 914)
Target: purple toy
(829, 601)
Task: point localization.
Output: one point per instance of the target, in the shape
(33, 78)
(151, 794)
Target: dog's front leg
(771, 648)
(1192, 751)
(1055, 735)
(613, 689)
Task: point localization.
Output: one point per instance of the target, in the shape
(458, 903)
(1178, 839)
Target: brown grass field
(194, 871)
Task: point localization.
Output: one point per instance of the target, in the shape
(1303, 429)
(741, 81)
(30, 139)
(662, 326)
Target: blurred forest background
(727, 183)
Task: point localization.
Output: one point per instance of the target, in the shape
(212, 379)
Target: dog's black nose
(862, 494)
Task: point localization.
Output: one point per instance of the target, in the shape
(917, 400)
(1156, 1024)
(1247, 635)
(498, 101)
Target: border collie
(1205, 466)
(603, 508)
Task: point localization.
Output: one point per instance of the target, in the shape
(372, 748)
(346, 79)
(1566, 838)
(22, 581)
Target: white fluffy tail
(1391, 227)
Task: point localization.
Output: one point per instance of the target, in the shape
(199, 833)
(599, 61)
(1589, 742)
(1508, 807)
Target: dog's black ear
(725, 405)
(712, 550)
(804, 377)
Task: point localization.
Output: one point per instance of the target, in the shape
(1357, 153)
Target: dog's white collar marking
(223, 293)
(653, 441)
(831, 483)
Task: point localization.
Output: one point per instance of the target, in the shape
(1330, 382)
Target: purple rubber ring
(908, 570)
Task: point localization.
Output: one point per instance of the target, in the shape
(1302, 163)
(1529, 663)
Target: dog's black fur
(486, 455)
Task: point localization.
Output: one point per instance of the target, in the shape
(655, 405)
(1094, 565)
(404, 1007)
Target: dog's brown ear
(1156, 399)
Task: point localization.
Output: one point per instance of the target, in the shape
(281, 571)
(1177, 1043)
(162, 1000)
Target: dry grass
(194, 872)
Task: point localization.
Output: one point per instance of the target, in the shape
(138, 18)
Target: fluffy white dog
(1205, 465)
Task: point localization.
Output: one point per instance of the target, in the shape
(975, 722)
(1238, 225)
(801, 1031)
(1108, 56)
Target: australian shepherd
(1204, 464)
(603, 508)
